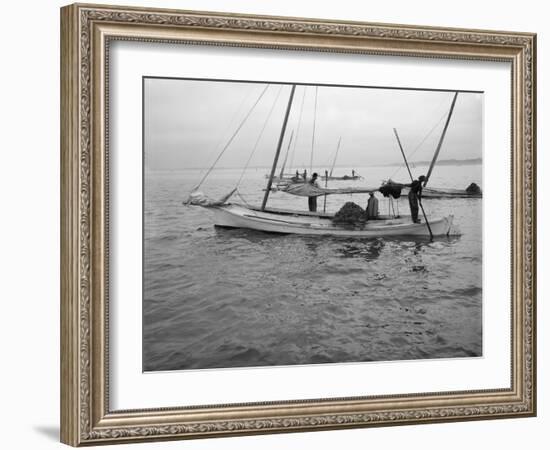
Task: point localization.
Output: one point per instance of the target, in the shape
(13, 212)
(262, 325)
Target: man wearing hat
(312, 200)
(415, 196)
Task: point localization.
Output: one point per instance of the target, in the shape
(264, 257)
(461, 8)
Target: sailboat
(234, 215)
(329, 174)
(282, 221)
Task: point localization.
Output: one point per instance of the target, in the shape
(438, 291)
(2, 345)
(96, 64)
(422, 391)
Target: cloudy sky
(188, 122)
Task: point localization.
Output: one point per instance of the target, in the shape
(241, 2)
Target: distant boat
(344, 177)
(329, 174)
(284, 176)
(297, 178)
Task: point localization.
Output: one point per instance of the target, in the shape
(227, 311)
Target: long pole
(440, 143)
(280, 143)
(335, 155)
(326, 185)
(412, 179)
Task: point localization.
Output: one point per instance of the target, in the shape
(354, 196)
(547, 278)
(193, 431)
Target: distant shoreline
(442, 162)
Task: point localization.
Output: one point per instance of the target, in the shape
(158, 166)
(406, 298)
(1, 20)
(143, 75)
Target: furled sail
(309, 190)
(197, 198)
(387, 189)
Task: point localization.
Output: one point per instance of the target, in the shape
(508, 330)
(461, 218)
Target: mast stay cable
(229, 126)
(421, 143)
(259, 136)
(297, 130)
(226, 146)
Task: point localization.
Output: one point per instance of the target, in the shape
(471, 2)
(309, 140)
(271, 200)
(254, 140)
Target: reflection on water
(216, 297)
(367, 249)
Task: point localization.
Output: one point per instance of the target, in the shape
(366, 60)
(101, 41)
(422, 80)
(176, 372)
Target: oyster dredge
(313, 223)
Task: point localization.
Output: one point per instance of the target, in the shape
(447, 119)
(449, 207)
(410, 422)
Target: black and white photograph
(292, 224)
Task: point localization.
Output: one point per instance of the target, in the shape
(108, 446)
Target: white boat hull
(238, 216)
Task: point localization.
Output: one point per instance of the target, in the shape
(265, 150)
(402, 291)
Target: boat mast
(441, 139)
(313, 134)
(286, 156)
(335, 155)
(278, 151)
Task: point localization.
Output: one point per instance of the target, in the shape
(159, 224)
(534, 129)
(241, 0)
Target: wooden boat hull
(238, 216)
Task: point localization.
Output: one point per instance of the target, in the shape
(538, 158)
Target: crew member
(312, 200)
(372, 207)
(415, 196)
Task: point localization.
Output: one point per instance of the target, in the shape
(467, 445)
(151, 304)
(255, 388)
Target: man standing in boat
(415, 196)
(312, 200)
(372, 207)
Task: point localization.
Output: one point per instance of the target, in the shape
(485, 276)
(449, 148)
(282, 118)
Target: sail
(309, 190)
(197, 198)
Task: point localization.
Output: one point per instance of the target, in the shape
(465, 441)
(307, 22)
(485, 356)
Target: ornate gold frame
(86, 31)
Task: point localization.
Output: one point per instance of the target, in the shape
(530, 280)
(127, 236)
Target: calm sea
(218, 298)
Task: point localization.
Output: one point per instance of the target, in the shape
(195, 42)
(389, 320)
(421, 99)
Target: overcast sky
(188, 122)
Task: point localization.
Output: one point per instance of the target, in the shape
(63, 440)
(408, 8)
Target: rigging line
(260, 135)
(297, 130)
(443, 102)
(421, 143)
(236, 113)
(286, 155)
(243, 199)
(231, 139)
(335, 155)
(329, 158)
(313, 134)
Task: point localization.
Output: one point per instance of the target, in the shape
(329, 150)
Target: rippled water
(237, 298)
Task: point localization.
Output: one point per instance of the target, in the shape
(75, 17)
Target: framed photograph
(275, 224)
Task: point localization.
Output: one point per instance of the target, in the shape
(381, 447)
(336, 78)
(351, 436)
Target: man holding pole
(415, 196)
(312, 200)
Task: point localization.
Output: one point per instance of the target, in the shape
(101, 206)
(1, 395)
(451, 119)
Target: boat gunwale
(321, 215)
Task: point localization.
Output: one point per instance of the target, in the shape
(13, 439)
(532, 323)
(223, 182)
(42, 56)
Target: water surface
(218, 298)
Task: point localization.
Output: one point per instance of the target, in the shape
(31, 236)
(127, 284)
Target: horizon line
(340, 166)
